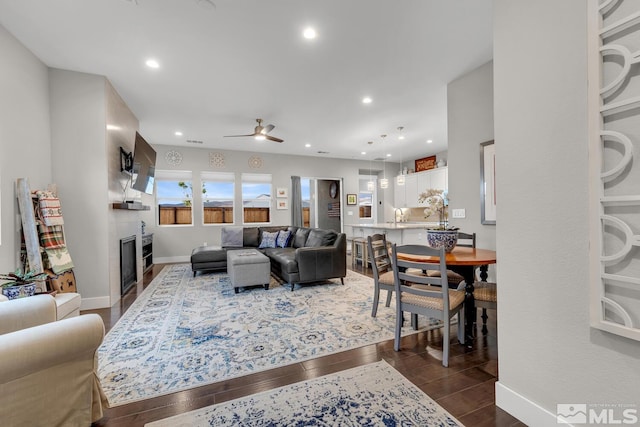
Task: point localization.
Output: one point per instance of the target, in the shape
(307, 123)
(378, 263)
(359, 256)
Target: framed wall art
(282, 192)
(488, 183)
(425, 163)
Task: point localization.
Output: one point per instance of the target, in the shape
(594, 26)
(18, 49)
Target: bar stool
(359, 251)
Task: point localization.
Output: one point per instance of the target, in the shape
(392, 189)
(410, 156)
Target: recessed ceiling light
(366, 100)
(389, 155)
(363, 152)
(401, 137)
(309, 33)
(113, 127)
(152, 63)
(429, 141)
(307, 145)
(178, 133)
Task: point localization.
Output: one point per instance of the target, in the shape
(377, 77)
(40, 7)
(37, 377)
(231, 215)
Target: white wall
(79, 170)
(469, 122)
(123, 125)
(86, 163)
(25, 148)
(548, 354)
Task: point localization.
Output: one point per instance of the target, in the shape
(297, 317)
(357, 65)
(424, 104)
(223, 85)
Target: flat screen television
(144, 166)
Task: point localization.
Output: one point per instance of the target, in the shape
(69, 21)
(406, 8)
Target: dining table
(463, 261)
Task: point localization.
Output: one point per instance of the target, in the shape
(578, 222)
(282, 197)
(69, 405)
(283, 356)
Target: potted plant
(19, 284)
(442, 234)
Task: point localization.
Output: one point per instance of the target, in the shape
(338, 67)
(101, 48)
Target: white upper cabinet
(406, 196)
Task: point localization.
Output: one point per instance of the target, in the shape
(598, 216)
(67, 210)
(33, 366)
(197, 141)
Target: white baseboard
(172, 259)
(95, 303)
(528, 412)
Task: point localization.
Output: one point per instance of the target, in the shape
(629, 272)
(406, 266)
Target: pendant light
(370, 184)
(384, 182)
(400, 177)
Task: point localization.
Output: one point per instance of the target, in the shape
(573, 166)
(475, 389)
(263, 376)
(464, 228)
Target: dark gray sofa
(311, 255)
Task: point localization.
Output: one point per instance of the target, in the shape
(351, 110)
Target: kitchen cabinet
(406, 196)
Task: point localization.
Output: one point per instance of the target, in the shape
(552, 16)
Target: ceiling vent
(322, 152)
(194, 141)
(379, 159)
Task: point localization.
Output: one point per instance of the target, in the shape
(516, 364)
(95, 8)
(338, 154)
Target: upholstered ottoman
(208, 258)
(248, 267)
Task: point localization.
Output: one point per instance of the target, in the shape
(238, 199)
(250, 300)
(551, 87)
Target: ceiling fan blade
(268, 128)
(273, 138)
(232, 136)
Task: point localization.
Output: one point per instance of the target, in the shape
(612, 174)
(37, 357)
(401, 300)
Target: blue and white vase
(439, 238)
(19, 291)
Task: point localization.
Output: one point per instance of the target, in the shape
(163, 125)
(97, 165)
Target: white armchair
(48, 367)
(67, 304)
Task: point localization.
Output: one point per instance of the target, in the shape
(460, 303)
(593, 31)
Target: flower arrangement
(437, 202)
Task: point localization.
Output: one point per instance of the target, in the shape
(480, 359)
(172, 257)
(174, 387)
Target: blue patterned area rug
(370, 395)
(184, 332)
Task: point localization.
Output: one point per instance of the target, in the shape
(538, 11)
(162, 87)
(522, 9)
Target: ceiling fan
(260, 132)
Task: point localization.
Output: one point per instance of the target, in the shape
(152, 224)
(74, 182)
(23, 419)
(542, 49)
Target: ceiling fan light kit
(260, 133)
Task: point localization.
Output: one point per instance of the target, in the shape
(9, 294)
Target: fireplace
(128, 265)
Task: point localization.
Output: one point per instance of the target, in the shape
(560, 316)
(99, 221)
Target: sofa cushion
(284, 238)
(318, 238)
(67, 305)
(300, 238)
(285, 259)
(251, 237)
(268, 239)
(231, 237)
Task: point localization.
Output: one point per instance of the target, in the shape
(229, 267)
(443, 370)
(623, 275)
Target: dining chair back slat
(419, 293)
(381, 268)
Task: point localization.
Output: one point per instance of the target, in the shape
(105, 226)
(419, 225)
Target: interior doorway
(321, 202)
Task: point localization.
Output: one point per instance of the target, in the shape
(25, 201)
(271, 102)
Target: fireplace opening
(128, 267)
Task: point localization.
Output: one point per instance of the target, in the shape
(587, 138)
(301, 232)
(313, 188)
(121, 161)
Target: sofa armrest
(324, 262)
(57, 361)
(27, 312)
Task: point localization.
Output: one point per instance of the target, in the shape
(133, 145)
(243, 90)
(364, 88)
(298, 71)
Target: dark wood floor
(465, 388)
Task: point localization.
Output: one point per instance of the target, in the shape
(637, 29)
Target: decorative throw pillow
(268, 240)
(284, 237)
(300, 238)
(319, 238)
(231, 237)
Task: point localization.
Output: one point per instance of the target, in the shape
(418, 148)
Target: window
(217, 197)
(256, 198)
(366, 196)
(174, 197)
(305, 190)
(365, 201)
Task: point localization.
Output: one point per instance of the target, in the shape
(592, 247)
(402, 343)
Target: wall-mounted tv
(144, 166)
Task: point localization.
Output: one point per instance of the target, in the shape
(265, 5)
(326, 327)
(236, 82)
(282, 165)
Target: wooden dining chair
(428, 296)
(382, 271)
(486, 297)
(465, 240)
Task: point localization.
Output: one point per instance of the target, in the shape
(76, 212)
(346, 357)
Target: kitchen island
(401, 233)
